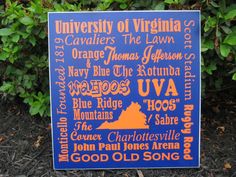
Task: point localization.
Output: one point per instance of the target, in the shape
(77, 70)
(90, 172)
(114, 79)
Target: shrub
(24, 51)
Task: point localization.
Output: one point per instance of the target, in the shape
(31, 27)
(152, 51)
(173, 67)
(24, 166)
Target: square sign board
(125, 89)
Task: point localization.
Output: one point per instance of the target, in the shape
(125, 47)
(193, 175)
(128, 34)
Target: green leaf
(226, 29)
(26, 20)
(43, 18)
(169, 1)
(35, 108)
(41, 111)
(207, 44)
(16, 49)
(15, 38)
(28, 100)
(230, 15)
(210, 23)
(29, 29)
(230, 39)
(12, 17)
(28, 84)
(11, 59)
(211, 67)
(224, 50)
(218, 33)
(40, 95)
(4, 55)
(203, 17)
(180, 1)
(123, 6)
(6, 32)
(160, 6)
(33, 111)
(5, 87)
(32, 40)
(234, 77)
(42, 34)
(214, 4)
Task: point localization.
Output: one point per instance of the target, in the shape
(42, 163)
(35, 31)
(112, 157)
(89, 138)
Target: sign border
(50, 88)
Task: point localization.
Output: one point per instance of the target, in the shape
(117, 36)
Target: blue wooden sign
(125, 89)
